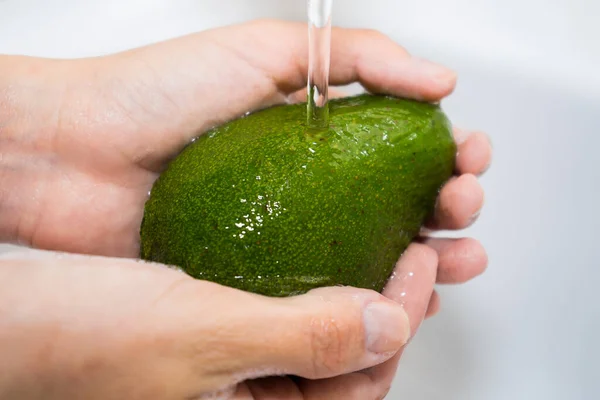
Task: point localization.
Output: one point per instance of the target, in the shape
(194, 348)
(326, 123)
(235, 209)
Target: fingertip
(442, 80)
(384, 67)
(459, 203)
(474, 154)
(460, 259)
(473, 257)
(434, 305)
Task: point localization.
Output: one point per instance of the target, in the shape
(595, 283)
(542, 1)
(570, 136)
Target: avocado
(266, 205)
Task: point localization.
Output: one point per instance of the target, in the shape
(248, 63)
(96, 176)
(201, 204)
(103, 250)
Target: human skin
(81, 143)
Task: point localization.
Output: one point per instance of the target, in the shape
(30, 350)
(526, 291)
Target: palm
(116, 135)
(95, 206)
(95, 196)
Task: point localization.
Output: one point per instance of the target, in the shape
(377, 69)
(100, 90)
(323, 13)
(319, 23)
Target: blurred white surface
(528, 328)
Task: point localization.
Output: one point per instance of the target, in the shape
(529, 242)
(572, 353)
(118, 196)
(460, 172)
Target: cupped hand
(80, 164)
(97, 132)
(90, 327)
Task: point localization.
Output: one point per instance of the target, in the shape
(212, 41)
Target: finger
(460, 260)
(474, 154)
(411, 286)
(411, 283)
(301, 95)
(382, 66)
(357, 55)
(258, 64)
(459, 203)
(415, 273)
(324, 333)
(434, 305)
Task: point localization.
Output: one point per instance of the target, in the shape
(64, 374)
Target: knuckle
(329, 341)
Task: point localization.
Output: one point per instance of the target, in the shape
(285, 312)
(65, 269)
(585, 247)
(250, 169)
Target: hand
(95, 133)
(78, 181)
(81, 327)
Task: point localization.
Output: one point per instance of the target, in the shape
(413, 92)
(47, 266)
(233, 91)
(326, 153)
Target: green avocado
(266, 205)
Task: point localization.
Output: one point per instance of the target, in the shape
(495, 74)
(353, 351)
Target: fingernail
(387, 327)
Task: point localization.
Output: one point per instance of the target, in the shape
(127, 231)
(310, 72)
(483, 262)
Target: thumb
(324, 333)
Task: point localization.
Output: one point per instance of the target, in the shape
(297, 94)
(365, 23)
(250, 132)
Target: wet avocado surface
(265, 205)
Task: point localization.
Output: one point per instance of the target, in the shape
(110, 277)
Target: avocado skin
(265, 205)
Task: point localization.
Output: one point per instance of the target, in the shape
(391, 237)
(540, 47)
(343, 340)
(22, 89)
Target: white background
(529, 74)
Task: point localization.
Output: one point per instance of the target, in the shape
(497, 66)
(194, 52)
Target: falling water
(319, 54)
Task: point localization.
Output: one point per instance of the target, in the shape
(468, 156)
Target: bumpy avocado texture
(265, 205)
